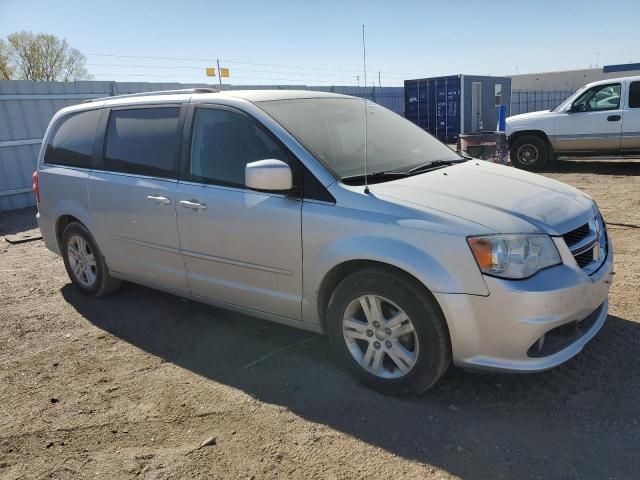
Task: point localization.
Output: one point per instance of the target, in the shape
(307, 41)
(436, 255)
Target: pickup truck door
(631, 121)
(593, 124)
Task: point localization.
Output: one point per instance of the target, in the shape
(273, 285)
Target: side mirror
(577, 108)
(268, 175)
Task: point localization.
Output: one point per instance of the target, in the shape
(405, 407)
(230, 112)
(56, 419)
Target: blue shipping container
(444, 106)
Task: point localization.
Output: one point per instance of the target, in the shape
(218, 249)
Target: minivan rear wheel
(84, 262)
(388, 332)
(529, 152)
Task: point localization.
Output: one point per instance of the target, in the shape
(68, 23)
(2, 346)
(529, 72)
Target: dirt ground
(130, 385)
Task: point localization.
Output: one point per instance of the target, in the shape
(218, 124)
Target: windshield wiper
(425, 167)
(375, 176)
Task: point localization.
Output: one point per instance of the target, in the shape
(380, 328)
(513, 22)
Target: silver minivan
(258, 201)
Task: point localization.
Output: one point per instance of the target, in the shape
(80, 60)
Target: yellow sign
(211, 72)
(224, 72)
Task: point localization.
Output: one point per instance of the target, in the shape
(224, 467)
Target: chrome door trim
(238, 263)
(236, 189)
(155, 246)
(134, 175)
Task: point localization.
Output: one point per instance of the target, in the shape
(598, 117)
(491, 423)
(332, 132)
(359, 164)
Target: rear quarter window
(71, 143)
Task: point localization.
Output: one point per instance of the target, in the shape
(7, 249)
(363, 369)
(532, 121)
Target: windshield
(332, 129)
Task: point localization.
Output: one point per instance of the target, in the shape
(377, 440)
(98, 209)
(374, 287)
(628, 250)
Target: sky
(320, 42)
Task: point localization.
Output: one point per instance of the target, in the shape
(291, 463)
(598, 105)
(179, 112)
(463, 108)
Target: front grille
(588, 244)
(575, 236)
(585, 258)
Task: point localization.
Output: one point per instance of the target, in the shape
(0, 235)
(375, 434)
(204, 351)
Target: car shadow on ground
(600, 167)
(577, 421)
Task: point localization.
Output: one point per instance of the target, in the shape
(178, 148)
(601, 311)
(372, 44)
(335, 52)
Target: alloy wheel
(380, 336)
(82, 261)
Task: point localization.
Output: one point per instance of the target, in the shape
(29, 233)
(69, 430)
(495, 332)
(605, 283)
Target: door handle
(193, 205)
(614, 118)
(159, 199)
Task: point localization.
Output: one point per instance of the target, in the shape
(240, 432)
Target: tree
(28, 56)
(6, 70)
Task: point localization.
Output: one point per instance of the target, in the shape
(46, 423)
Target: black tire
(434, 354)
(536, 147)
(104, 284)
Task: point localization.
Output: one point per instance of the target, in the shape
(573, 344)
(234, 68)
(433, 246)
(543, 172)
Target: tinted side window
(222, 144)
(72, 141)
(144, 141)
(634, 95)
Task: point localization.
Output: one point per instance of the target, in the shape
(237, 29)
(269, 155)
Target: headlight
(514, 256)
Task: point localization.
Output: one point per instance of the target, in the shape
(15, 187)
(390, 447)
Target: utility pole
(219, 72)
(358, 79)
(379, 82)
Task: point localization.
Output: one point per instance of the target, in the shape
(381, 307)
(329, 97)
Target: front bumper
(502, 331)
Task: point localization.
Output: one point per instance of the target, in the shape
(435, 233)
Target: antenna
(364, 64)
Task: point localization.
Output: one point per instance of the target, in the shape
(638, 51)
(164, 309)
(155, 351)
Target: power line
(146, 75)
(298, 67)
(202, 68)
(239, 73)
(241, 77)
(211, 60)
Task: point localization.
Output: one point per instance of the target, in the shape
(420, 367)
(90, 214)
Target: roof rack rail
(157, 92)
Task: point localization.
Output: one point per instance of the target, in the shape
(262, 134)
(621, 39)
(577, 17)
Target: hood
(542, 120)
(500, 198)
(528, 116)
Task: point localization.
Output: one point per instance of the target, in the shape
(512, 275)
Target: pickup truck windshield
(332, 129)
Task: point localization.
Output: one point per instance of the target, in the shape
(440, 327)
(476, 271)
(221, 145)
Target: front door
(240, 247)
(593, 124)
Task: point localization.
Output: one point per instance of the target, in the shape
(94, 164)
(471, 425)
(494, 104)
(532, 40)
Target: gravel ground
(130, 385)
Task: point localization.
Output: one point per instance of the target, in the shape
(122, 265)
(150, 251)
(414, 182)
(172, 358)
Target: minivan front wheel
(388, 332)
(84, 262)
(529, 152)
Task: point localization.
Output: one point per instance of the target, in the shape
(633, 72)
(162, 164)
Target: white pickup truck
(602, 118)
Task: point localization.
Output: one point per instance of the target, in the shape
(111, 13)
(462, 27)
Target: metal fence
(26, 107)
(523, 101)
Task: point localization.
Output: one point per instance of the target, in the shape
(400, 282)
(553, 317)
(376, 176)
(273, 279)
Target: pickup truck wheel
(84, 262)
(529, 153)
(388, 333)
